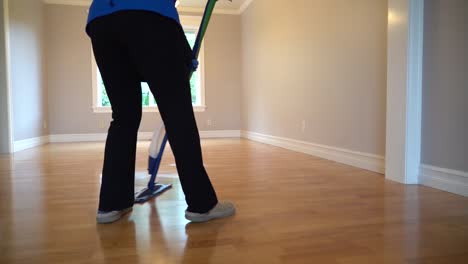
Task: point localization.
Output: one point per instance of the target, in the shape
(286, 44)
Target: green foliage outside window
(104, 98)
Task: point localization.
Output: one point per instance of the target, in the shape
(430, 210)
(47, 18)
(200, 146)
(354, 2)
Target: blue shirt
(105, 7)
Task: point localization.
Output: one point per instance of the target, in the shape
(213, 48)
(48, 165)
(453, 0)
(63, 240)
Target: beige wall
(319, 61)
(69, 75)
(4, 126)
(29, 97)
(445, 85)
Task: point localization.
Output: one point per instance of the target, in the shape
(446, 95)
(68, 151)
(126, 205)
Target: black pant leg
(124, 91)
(162, 54)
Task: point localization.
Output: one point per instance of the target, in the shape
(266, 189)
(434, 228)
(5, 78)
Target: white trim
(357, 159)
(404, 90)
(94, 85)
(202, 75)
(220, 134)
(193, 23)
(444, 179)
(68, 2)
(221, 11)
(244, 6)
(30, 143)
(101, 137)
(90, 137)
(200, 10)
(145, 109)
(414, 90)
(69, 138)
(6, 18)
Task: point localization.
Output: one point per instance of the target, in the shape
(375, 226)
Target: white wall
(70, 83)
(29, 91)
(444, 149)
(445, 85)
(321, 61)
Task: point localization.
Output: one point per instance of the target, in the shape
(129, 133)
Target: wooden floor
(292, 208)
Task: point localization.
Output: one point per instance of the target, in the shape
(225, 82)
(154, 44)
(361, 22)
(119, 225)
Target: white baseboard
(444, 179)
(29, 143)
(220, 134)
(203, 134)
(100, 137)
(68, 138)
(357, 159)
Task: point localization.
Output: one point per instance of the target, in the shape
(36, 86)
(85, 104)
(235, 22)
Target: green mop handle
(203, 26)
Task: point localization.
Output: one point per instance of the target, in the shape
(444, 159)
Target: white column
(404, 85)
(6, 118)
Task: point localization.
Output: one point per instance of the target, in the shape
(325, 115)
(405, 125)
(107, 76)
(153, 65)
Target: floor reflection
(202, 239)
(117, 242)
(144, 236)
(402, 236)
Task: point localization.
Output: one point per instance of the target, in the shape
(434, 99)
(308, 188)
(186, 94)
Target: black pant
(129, 47)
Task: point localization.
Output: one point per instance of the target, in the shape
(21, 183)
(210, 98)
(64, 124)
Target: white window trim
(188, 22)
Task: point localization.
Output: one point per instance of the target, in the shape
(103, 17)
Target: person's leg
(124, 90)
(162, 54)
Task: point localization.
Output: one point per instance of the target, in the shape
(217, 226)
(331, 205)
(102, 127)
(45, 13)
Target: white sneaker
(221, 210)
(109, 217)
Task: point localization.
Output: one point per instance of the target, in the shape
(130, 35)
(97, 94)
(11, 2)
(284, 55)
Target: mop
(159, 140)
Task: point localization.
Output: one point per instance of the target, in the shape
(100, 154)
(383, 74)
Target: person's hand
(194, 65)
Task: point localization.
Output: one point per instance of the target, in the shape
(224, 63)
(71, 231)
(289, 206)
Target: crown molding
(244, 6)
(222, 11)
(86, 3)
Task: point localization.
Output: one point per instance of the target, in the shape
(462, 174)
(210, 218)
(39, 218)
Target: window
(101, 103)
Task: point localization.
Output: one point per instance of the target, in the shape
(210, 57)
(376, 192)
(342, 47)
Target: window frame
(188, 23)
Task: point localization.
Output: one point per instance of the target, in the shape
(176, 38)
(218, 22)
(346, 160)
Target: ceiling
(225, 4)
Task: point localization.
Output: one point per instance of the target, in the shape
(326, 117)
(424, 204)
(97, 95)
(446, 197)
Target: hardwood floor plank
(291, 208)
